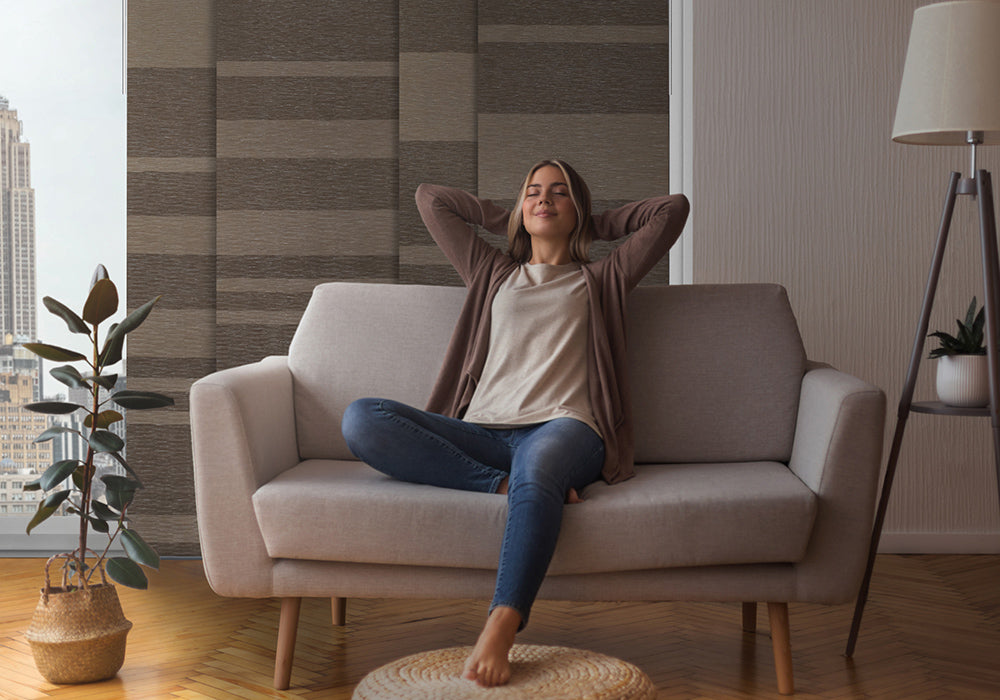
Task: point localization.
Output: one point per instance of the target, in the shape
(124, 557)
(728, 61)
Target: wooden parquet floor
(931, 631)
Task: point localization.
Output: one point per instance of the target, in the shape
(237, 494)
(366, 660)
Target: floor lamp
(950, 95)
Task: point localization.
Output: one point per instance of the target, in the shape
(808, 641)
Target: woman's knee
(566, 453)
(357, 421)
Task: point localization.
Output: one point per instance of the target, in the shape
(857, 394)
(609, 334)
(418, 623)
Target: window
(63, 77)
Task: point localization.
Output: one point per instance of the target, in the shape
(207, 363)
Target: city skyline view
(62, 209)
(62, 71)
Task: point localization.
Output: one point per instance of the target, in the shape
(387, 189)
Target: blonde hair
(518, 238)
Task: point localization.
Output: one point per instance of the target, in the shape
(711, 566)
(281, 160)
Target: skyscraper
(17, 232)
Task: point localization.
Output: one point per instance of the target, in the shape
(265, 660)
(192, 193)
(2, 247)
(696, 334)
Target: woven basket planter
(78, 635)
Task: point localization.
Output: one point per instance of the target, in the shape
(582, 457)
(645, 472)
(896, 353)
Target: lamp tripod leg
(991, 276)
(905, 401)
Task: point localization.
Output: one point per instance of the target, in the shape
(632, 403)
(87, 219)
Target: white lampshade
(951, 80)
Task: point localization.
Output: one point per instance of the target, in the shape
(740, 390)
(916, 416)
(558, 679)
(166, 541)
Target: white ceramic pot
(963, 380)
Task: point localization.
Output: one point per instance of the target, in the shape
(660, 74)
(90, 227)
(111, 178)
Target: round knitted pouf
(536, 672)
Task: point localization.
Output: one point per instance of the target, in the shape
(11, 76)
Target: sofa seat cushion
(667, 516)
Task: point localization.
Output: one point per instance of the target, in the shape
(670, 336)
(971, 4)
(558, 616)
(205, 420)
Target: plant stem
(111, 540)
(89, 470)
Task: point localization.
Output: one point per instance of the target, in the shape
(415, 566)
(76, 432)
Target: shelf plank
(945, 410)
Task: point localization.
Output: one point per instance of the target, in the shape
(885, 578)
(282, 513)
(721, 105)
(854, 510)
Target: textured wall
(589, 85)
(276, 144)
(797, 182)
(306, 98)
(171, 249)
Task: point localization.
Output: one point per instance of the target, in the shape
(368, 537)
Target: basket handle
(65, 573)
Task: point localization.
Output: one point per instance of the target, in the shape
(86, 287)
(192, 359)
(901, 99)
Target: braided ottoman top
(536, 672)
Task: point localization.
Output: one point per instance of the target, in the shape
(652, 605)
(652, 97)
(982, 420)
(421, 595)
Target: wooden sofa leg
(781, 641)
(288, 626)
(339, 609)
(749, 617)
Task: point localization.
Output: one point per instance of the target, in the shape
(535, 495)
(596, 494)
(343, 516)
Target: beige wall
(796, 181)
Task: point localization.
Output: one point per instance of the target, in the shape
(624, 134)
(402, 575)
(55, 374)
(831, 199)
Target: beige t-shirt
(536, 369)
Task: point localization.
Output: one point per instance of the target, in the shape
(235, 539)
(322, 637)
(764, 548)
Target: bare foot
(488, 664)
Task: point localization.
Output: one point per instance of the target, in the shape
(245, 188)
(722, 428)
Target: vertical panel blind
(276, 145)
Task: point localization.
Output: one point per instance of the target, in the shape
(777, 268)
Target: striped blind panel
(275, 145)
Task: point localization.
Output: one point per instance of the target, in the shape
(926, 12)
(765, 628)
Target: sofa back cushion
(358, 340)
(715, 369)
(715, 373)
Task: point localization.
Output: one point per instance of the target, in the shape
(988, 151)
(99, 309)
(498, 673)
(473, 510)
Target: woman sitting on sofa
(532, 400)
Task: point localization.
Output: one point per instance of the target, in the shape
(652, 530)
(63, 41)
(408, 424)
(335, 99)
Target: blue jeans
(543, 462)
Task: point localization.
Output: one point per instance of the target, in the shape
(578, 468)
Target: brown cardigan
(656, 223)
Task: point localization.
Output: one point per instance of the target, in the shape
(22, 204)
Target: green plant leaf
(119, 483)
(75, 564)
(35, 485)
(104, 419)
(54, 352)
(102, 302)
(129, 469)
(103, 511)
(964, 336)
(100, 273)
(120, 491)
(105, 441)
(111, 353)
(58, 472)
(126, 572)
(968, 340)
(73, 322)
(107, 381)
(70, 376)
(56, 499)
(138, 551)
(970, 312)
(131, 322)
(141, 399)
(41, 515)
(979, 324)
(53, 407)
(46, 508)
(99, 525)
(50, 433)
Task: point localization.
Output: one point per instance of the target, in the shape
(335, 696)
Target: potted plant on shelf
(77, 634)
(963, 371)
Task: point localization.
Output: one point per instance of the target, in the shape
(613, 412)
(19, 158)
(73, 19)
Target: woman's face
(548, 210)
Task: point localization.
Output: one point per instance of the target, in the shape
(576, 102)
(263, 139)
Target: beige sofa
(756, 471)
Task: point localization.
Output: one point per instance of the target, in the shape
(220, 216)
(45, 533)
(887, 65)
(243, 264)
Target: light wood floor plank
(931, 630)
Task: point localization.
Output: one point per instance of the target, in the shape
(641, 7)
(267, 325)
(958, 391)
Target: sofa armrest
(837, 453)
(242, 435)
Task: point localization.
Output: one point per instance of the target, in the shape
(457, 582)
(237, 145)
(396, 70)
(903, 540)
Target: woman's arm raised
(654, 225)
(450, 214)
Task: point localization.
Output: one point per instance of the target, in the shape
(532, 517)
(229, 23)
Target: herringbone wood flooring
(931, 630)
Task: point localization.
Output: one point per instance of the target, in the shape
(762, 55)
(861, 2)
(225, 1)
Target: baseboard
(939, 543)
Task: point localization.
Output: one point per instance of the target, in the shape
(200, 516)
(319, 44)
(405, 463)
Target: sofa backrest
(716, 373)
(715, 369)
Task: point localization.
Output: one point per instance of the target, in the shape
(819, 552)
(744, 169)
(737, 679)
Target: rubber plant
(111, 516)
